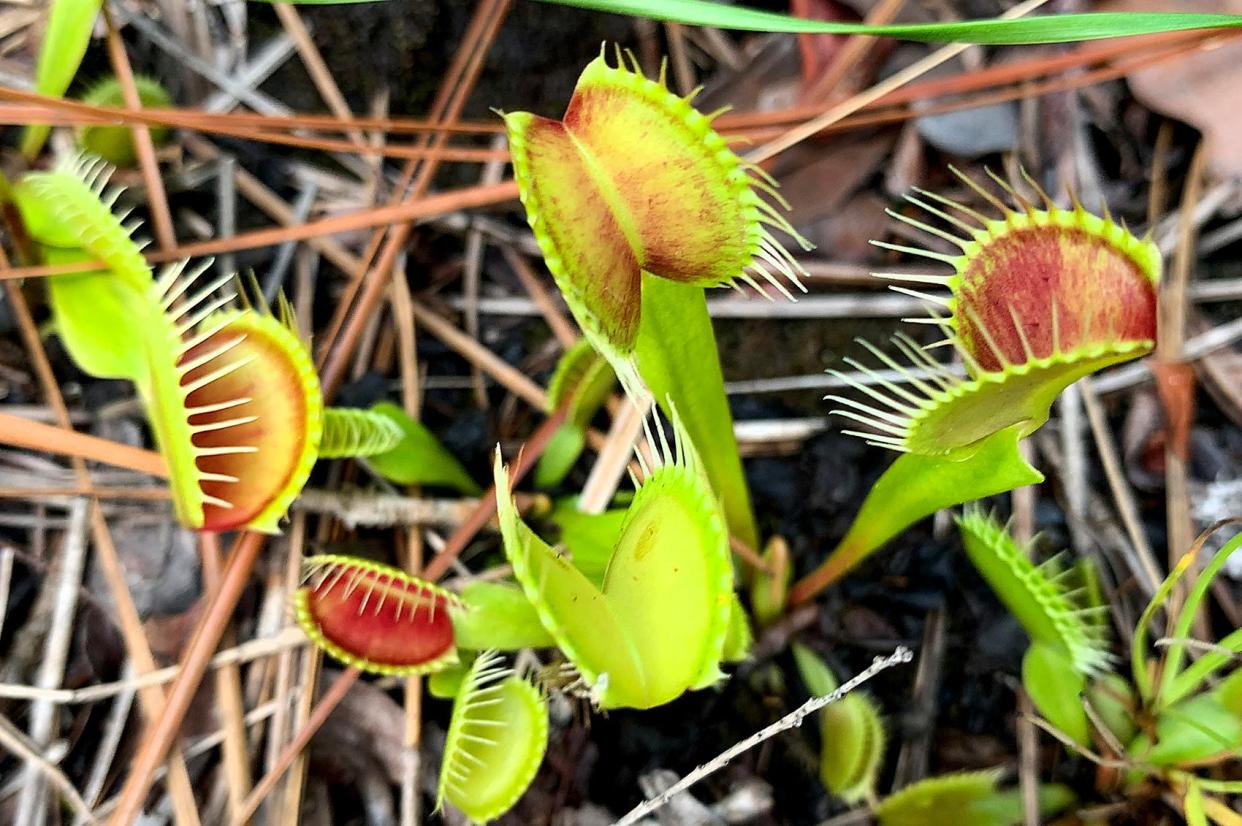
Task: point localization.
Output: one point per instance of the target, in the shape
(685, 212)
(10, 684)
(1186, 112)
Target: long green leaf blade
(1062, 28)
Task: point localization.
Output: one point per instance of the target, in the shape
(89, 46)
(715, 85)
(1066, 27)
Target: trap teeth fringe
(895, 407)
(211, 355)
(178, 277)
(92, 170)
(374, 616)
(680, 452)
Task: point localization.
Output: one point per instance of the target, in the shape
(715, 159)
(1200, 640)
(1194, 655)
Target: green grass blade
(1181, 630)
(1063, 28)
(1190, 679)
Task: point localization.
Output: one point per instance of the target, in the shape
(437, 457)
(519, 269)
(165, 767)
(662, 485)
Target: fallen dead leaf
(1201, 89)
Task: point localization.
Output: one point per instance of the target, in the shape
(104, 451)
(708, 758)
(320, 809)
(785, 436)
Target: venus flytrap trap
(852, 735)
(349, 432)
(115, 144)
(972, 798)
(229, 388)
(1067, 645)
(638, 205)
(231, 394)
(769, 589)
(1038, 298)
(375, 617)
(235, 404)
(1037, 595)
(497, 737)
(70, 207)
(657, 626)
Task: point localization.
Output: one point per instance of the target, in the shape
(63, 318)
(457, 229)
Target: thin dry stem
(854, 103)
(330, 701)
(163, 731)
(901, 656)
(230, 706)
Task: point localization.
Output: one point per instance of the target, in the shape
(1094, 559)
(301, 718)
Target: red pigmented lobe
(1099, 295)
(671, 185)
(382, 619)
(277, 399)
(583, 229)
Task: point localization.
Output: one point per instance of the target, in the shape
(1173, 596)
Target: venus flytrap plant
(230, 391)
(1195, 723)
(1174, 724)
(657, 627)
(1039, 297)
(235, 404)
(638, 205)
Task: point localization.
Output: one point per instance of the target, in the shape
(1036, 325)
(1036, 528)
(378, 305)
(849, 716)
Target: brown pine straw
(486, 509)
(472, 196)
(370, 283)
(345, 332)
(439, 565)
(323, 709)
(429, 207)
(162, 731)
(157, 199)
(151, 700)
(263, 127)
(19, 432)
(131, 493)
